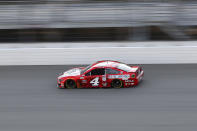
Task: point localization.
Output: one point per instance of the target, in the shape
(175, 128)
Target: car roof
(106, 63)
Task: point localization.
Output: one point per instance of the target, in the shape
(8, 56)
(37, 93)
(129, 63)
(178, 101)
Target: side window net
(99, 71)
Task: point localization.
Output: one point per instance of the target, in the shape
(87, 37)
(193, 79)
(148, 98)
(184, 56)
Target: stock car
(106, 73)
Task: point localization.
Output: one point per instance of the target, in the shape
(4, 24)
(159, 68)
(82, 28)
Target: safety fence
(84, 13)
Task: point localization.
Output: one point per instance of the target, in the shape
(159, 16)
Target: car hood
(71, 72)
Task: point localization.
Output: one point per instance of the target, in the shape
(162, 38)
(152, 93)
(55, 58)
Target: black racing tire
(70, 84)
(116, 83)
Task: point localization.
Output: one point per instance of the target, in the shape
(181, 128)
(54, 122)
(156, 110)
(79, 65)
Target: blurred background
(41, 38)
(97, 20)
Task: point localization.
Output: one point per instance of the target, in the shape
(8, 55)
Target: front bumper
(58, 85)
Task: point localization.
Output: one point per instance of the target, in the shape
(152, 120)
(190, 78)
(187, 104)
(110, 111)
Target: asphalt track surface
(165, 101)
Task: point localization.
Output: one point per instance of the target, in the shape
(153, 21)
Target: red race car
(105, 73)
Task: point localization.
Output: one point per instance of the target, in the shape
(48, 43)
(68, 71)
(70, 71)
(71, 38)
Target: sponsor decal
(133, 76)
(129, 80)
(128, 84)
(104, 84)
(81, 77)
(84, 81)
(124, 77)
(104, 78)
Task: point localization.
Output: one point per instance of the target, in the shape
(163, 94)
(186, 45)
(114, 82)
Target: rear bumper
(140, 76)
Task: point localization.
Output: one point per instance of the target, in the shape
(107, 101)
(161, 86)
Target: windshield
(87, 68)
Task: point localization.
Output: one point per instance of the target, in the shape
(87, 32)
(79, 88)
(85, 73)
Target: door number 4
(95, 81)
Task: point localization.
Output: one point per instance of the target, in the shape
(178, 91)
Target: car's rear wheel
(116, 83)
(70, 84)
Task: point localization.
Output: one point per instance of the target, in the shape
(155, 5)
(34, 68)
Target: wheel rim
(117, 84)
(70, 84)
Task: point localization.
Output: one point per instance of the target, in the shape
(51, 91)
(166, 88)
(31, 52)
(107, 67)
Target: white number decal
(95, 81)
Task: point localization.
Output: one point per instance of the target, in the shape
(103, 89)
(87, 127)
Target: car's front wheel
(70, 84)
(116, 83)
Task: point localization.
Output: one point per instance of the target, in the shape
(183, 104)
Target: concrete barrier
(67, 56)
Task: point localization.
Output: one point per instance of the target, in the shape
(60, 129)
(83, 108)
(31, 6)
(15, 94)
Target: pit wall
(87, 55)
